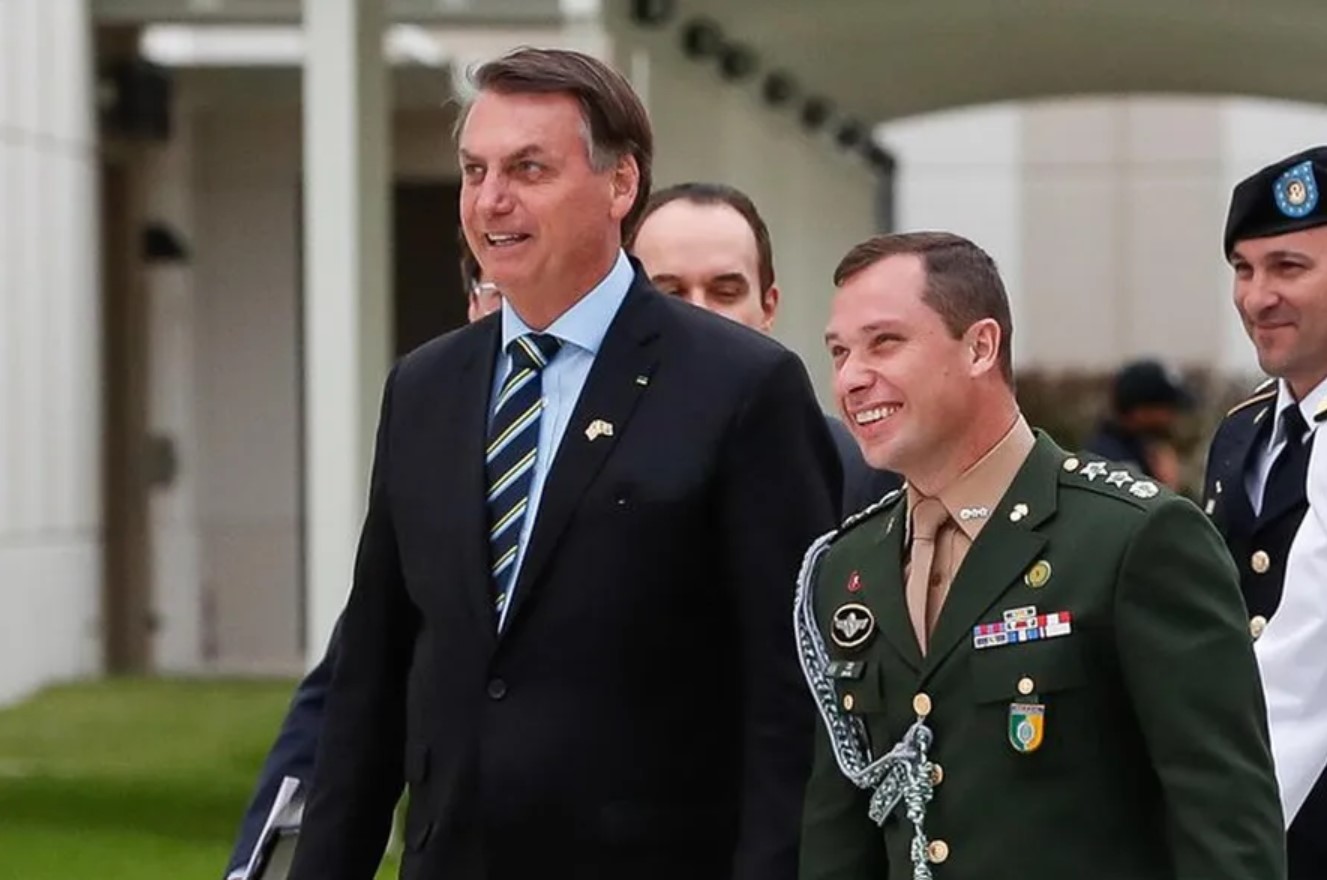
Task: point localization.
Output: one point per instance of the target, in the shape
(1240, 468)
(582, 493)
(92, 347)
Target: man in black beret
(1276, 241)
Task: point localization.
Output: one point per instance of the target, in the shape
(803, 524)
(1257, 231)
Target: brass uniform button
(1026, 686)
(1071, 464)
(937, 851)
(937, 775)
(1261, 562)
(848, 702)
(1257, 624)
(921, 704)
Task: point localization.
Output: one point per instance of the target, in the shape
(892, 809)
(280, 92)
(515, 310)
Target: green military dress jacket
(1118, 735)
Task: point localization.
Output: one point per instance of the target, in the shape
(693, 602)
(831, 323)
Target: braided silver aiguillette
(902, 775)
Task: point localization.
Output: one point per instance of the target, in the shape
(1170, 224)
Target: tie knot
(533, 351)
(927, 517)
(1293, 422)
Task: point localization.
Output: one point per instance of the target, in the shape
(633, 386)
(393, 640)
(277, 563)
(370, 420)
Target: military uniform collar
(973, 496)
(1314, 401)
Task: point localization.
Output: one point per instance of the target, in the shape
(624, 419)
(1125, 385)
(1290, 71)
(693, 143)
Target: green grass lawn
(132, 779)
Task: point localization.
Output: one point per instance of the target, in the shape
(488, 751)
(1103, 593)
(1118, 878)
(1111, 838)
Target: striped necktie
(513, 442)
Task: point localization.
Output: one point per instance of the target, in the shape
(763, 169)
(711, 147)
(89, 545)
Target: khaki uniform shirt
(969, 501)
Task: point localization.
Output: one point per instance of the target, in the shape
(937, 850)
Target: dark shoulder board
(1091, 473)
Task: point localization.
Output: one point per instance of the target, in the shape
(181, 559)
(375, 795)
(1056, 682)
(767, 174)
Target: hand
(1164, 463)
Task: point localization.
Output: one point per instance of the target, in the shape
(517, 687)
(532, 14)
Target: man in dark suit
(1028, 662)
(568, 629)
(707, 244)
(702, 242)
(1258, 464)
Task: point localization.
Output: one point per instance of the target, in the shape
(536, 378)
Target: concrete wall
(245, 160)
(817, 200)
(1105, 215)
(172, 414)
(50, 428)
(247, 381)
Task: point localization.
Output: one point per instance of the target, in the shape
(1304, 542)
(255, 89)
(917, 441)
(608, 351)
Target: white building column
(347, 295)
(51, 523)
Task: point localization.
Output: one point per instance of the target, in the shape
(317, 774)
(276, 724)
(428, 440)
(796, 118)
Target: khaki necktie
(927, 518)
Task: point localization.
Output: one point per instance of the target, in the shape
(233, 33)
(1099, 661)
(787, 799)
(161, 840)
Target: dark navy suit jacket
(295, 747)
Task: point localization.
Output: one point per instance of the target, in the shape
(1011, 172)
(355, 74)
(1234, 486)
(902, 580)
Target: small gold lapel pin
(1037, 576)
(642, 381)
(1020, 510)
(598, 428)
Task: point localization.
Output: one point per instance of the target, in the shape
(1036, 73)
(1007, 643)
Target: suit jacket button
(921, 704)
(1257, 624)
(497, 689)
(937, 775)
(1261, 562)
(937, 851)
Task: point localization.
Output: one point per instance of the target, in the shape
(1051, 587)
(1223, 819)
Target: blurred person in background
(1147, 401)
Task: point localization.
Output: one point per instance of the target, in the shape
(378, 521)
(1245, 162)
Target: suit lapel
(1002, 552)
(463, 454)
(1239, 506)
(886, 588)
(611, 392)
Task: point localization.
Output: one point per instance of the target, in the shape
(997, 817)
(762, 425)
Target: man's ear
(769, 308)
(625, 183)
(983, 343)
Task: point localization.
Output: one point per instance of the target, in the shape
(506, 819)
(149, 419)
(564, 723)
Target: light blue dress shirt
(581, 329)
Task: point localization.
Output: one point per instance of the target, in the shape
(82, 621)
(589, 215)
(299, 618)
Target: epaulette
(1265, 391)
(1110, 479)
(820, 546)
(870, 510)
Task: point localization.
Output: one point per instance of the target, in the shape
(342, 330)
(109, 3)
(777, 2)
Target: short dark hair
(718, 194)
(963, 285)
(616, 122)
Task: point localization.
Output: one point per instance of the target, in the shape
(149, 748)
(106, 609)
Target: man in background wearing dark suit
(707, 244)
(569, 627)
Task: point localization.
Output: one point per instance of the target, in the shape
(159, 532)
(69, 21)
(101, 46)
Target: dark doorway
(127, 560)
(429, 299)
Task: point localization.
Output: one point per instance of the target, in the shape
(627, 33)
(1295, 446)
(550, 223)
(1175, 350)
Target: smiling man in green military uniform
(1028, 663)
